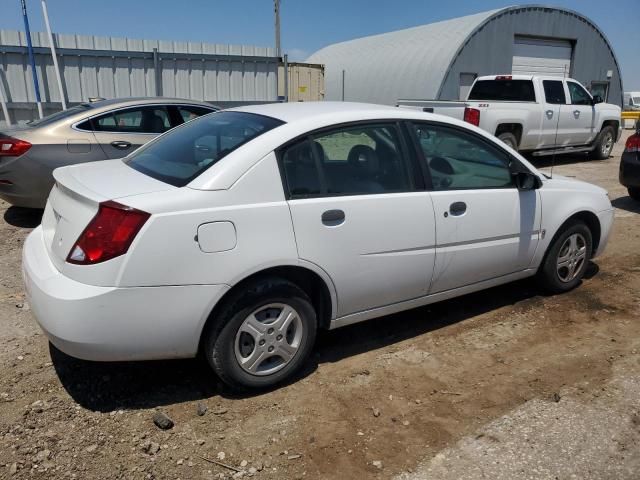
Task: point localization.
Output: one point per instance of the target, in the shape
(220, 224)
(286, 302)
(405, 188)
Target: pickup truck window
(460, 161)
(505, 90)
(554, 92)
(579, 95)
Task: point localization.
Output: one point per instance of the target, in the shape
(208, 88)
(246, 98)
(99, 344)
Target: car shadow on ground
(626, 203)
(23, 217)
(106, 387)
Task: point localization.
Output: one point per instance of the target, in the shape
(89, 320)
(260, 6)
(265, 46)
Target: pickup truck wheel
(604, 144)
(262, 335)
(510, 139)
(567, 258)
(634, 192)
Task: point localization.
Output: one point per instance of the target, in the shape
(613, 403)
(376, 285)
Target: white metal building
(441, 60)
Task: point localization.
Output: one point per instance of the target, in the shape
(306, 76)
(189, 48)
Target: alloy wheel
(571, 257)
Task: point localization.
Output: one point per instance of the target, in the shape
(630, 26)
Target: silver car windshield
(182, 154)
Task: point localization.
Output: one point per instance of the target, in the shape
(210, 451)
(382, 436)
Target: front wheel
(567, 258)
(604, 144)
(262, 335)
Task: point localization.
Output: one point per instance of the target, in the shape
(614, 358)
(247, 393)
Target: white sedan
(242, 233)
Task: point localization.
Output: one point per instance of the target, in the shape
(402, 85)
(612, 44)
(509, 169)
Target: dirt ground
(506, 383)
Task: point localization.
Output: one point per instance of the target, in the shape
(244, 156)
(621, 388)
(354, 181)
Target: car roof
(124, 102)
(292, 111)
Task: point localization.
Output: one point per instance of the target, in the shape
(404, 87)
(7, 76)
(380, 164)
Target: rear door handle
(457, 208)
(121, 144)
(331, 218)
(576, 113)
(549, 113)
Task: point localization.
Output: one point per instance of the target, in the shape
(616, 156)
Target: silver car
(88, 132)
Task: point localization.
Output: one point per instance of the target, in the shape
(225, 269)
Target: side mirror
(597, 99)
(526, 181)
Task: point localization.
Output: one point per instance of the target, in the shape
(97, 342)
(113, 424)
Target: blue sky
(306, 25)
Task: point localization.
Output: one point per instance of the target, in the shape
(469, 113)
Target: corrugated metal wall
(113, 67)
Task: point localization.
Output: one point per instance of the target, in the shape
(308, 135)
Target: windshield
(505, 90)
(185, 152)
(54, 117)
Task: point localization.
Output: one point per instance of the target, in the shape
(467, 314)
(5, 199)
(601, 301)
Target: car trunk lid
(74, 201)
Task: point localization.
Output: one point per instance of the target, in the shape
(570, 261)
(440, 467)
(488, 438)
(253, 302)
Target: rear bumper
(110, 323)
(31, 182)
(629, 175)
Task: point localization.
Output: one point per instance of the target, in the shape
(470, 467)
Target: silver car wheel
(607, 145)
(268, 339)
(571, 257)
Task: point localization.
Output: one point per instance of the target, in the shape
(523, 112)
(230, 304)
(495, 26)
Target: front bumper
(606, 222)
(629, 175)
(111, 323)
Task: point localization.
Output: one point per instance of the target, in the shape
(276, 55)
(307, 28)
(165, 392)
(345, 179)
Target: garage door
(541, 56)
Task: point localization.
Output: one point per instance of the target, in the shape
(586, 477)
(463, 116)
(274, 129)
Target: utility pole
(276, 7)
(31, 57)
(45, 13)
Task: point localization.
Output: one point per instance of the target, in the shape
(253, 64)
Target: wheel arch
(316, 285)
(613, 124)
(513, 128)
(593, 224)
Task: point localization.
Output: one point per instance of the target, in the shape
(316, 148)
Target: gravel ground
(502, 384)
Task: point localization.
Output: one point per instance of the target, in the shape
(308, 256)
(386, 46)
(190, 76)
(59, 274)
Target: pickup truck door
(485, 227)
(577, 120)
(553, 131)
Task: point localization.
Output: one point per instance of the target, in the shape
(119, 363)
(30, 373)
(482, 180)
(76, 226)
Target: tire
(634, 192)
(556, 279)
(243, 344)
(604, 144)
(510, 139)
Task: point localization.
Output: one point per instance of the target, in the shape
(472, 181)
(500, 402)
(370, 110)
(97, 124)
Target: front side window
(149, 119)
(355, 160)
(187, 151)
(579, 95)
(554, 92)
(457, 160)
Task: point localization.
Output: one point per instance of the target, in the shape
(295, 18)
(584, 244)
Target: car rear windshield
(185, 152)
(506, 90)
(54, 117)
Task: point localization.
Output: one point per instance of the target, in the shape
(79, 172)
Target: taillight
(108, 235)
(472, 116)
(12, 147)
(633, 143)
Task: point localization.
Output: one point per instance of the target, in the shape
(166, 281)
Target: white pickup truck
(541, 115)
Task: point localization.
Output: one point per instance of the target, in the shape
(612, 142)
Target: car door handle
(549, 113)
(331, 218)
(576, 113)
(457, 208)
(121, 144)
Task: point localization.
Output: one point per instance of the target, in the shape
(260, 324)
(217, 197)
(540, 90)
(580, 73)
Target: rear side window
(505, 90)
(184, 153)
(579, 95)
(554, 92)
(354, 160)
(151, 119)
(190, 112)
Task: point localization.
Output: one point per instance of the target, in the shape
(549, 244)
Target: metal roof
(409, 63)
(420, 56)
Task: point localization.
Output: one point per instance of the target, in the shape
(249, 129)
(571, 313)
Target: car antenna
(555, 142)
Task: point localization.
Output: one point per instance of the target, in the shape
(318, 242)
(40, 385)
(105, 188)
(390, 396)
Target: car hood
(569, 183)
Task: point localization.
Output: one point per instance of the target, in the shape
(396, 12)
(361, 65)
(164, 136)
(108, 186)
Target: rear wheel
(634, 192)
(604, 144)
(510, 139)
(567, 258)
(262, 335)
